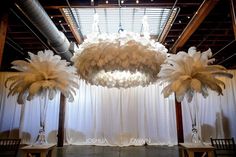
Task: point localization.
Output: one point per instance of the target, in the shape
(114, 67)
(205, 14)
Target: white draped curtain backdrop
(119, 117)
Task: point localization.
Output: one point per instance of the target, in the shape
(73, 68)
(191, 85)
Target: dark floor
(102, 151)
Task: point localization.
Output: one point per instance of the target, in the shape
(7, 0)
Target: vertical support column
(179, 121)
(3, 32)
(233, 15)
(61, 122)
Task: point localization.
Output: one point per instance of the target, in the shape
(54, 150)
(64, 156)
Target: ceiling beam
(233, 14)
(74, 30)
(168, 25)
(195, 22)
(3, 32)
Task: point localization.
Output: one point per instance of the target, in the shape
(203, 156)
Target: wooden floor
(101, 151)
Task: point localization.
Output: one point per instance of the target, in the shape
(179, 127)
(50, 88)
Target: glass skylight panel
(130, 19)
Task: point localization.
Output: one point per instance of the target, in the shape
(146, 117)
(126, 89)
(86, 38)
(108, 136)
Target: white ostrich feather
(43, 72)
(186, 73)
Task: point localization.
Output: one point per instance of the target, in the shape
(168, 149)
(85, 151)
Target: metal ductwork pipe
(33, 10)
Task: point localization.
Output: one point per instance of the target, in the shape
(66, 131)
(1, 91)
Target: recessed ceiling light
(59, 21)
(51, 17)
(107, 2)
(122, 1)
(188, 17)
(137, 1)
(180, 21)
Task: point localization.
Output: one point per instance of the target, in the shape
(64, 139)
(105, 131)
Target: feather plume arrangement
(44, 73)
(186, 73)
(102, 56)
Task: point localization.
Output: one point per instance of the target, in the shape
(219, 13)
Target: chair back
(9, 147)
(224, 147)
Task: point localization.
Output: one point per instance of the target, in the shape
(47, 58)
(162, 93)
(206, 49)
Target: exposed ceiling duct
(33, 10)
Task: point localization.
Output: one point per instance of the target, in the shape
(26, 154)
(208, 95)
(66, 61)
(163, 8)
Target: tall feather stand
(195, 137)
(41, 138)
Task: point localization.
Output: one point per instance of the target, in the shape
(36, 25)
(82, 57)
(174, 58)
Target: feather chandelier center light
(124, 59)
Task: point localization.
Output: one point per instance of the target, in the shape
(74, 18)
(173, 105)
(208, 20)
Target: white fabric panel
(122, 117)
(9, 111)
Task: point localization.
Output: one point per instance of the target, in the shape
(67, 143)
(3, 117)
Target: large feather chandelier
(120, 60)
(188, 73)
(44, 73)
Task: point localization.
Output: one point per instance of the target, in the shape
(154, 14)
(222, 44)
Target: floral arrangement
(44, 73)
(102, 55)
(186, 73)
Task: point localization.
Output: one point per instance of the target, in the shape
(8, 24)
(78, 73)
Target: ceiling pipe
(33, 10)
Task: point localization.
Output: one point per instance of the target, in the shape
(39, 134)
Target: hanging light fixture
(120, 60)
